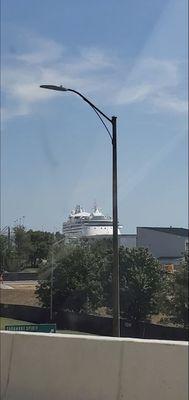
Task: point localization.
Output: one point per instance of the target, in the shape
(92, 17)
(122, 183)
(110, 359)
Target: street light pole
(113, 137)
(52, 276)
(115, 275)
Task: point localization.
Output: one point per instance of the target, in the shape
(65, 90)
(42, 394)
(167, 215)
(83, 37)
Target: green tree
(3, 250)
(77, 285)
(83, 280)
(177, 296)
(8, 256)
(41, 243)
(22, 246)
(141, 283)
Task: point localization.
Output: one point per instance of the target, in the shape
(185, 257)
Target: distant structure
(81, 224)
(167, 244)
(128, 240)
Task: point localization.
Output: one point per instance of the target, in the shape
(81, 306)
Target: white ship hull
(82, 224)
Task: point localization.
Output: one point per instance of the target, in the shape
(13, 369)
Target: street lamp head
(54, 87)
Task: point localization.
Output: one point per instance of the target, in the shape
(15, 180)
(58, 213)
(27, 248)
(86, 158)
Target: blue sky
(130, 58)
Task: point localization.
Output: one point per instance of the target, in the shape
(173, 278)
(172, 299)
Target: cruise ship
(83, 224)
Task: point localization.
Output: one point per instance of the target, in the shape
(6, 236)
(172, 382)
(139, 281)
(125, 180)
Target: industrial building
(166, 244)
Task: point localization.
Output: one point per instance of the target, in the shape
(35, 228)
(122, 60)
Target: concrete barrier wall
(70, 367)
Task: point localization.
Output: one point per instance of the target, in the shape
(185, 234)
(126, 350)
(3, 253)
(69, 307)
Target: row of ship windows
(75, 228)
(100, 228)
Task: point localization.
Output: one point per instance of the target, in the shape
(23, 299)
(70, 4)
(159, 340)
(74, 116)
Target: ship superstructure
(83, 224)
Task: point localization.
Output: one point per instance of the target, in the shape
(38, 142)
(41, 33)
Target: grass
(10, 321)
(24, 295)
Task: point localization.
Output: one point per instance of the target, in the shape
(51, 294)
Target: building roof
(173, 231)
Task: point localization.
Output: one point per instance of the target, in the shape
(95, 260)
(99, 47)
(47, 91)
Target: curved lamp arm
(96, 109)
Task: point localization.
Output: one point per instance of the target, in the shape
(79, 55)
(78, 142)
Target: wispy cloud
(46, 51)
(152, 81)
(156, 82)
(138, 176)
(171, 103)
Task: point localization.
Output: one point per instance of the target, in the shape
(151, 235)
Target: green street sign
(47, 328)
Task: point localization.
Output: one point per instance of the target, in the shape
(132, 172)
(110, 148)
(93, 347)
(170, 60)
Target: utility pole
(115, 275)
(51, 292)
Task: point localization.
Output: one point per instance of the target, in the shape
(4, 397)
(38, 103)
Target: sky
(129, 57)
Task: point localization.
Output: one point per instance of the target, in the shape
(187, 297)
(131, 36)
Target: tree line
(82, 276)
(82, 282)
(25, 248)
